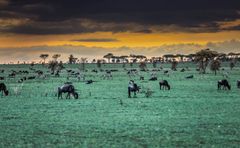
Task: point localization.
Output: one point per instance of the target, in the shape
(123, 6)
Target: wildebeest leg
(129, 92)
(160, 87)
(58, 94)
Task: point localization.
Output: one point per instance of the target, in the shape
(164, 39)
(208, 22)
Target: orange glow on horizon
(123, 39)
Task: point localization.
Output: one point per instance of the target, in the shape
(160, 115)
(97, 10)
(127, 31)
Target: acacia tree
(108, 56)
(72, 59)
(56, 56)
(44, 57)
(215, 66)
(174, 65)
(99, 64)
(154, 63)
(203, 57)
(83, 61)
(143, 66)
(52, 65)
(232, 65)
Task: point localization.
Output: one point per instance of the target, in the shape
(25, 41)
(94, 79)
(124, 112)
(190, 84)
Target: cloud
(3, 3)
(67, 17)
(32, 53)
(95, 40)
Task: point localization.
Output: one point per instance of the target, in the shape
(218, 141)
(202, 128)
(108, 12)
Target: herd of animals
(69, 88)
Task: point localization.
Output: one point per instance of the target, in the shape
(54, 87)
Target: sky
(92, 28)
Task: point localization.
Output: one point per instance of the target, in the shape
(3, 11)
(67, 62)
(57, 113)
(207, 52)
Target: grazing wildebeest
(164, 84)
(94, 70)
(182, 70)
(238, 83)
(132, 72)
(12, 75)
(225, 74)
(69, 71)
(153, 79)
(107, 75)
(20, 81)
(90, 81)
(165, 71)
(224, 84)
(31, 78)
(1, 78)
(189, 77)
(132, 87)
(3, 89)
(57, 74)
(69, 89)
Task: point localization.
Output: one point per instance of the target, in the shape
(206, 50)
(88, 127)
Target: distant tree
(94, 61)
(174, 65)
(32, 64)
(44, 57)
(99, 64)
(232, 65)
(154, 64)
(131, 64)
(124, 65)
(56, 56)
(143, 66)
(108, 56)
(124, 58)
(168, 57)
(203, 57)
(141, 57)
(215, 66)
(60, 65)
(83, 61)
(180, 57)
(52, 65)
(72, 59)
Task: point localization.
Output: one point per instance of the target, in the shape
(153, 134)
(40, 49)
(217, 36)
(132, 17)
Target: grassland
(192, 114)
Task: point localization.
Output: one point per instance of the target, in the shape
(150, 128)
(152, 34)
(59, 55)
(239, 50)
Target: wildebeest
(69, 89)
(164, 84)
(12, 75)
(141, 77)
(3, 89)
(31, 78)
(1, 78)
(238, 83)
(132, 72)
(94, 70)
(57, 74)
(153, 79)
(166, 72)
(90, 81)
(132, 87)
(189, 77)
(107, 75)
(224, 84)
(182, 70)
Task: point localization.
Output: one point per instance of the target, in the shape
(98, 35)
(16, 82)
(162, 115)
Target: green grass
(192, 114)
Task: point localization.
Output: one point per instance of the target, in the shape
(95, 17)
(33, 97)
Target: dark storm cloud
(95, 40)
(187, 16)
